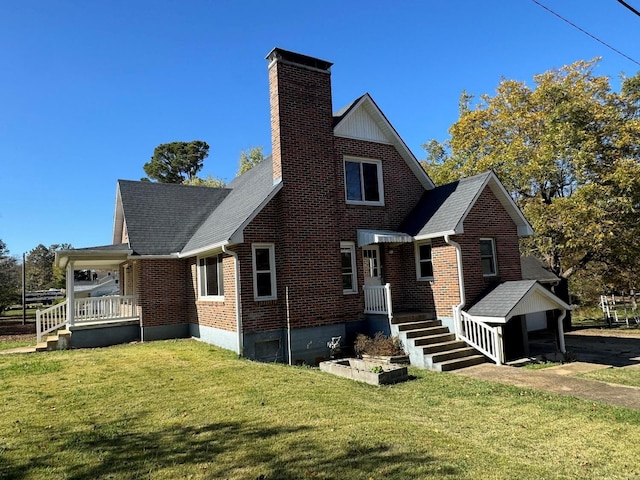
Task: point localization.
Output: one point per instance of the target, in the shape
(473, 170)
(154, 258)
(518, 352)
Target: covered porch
(92, 321)
(483, 326)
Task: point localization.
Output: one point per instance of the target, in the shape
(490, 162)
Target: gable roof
(510, 299)
(161, 217)
(442, 211)
(534, 269)
(362, 119)
(248, 194)
(173, 219)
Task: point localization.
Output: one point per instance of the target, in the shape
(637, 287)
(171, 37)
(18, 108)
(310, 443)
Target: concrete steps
(60, 341)
(431, 345)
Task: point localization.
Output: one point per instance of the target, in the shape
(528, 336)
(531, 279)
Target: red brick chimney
(301, 110)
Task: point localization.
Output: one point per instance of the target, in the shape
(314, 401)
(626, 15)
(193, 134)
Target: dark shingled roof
(161, 217)
(118, 247)
(443, 208)
(502, 300)
(247, 193)
(534, 269)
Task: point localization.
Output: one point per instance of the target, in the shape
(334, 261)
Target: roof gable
(510, 299)
(363, 120)
(161, 218)
(442, 211)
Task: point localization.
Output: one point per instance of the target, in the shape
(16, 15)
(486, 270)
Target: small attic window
(363, 181)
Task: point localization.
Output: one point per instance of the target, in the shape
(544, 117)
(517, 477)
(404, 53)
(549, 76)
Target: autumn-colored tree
(568, 151)
(249, 159)
(10, 281)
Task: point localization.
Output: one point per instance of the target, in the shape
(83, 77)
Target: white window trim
(359, 160)
(494, 254)
(272, 263)
(201, 281)
(351, 246)
(417, 246)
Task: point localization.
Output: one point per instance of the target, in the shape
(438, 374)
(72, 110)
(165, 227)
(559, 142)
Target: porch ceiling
(108, 257)
(368, 237)
(510, 299)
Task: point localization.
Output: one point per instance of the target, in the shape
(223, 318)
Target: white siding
(360, 125)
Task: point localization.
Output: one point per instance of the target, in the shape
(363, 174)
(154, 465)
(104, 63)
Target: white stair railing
(484, 338)
(50, 319)
(377, 299)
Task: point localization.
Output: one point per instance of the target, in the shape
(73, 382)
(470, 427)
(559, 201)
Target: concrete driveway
(592, 349)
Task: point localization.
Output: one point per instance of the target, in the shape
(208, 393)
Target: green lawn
(183, 409)
(622, 376)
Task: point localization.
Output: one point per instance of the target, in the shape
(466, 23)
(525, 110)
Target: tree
(40, 273)
(10, 279)
(176, 162)
(249, 159)
(567, 150)
(210, 181)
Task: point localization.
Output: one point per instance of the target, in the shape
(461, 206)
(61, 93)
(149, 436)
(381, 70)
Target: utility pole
(24, 289)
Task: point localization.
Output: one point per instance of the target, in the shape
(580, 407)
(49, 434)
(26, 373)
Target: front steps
(431, 345)
(60, 341)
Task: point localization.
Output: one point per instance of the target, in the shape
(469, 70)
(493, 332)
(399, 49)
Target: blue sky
(88, 89)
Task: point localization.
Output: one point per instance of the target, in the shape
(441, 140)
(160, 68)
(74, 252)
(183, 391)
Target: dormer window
(363, 181)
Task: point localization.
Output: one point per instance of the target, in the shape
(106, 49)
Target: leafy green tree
(39, 269)
(10, 279)
(210, 181)
(567, 150)
(176, 162)
(249, 159)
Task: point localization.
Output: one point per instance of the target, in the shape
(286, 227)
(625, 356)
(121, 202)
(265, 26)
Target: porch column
(71, 301)
(561, 331)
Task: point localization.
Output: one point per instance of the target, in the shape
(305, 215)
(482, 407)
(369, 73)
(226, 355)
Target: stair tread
(461, 359)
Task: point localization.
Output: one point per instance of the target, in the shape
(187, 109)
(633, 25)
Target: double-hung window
(210, 277)
(363, 181)
(264, 271)
(424, 263)
(349, 275)
(488, 257)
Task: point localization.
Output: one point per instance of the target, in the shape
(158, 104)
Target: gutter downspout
(238, 302)
(561, 344)
(463, 300)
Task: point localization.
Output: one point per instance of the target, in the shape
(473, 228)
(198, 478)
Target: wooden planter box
(365, 371)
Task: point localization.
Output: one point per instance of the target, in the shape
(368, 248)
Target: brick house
(338, 231)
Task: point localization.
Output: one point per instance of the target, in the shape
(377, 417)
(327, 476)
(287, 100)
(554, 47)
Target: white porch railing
(377, 300)
(86, 310)
(112, 307)
(484, 338)
(50, 319)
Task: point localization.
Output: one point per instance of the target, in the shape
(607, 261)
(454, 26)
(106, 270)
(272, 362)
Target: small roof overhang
(108, 257)
(369, 237)
(510, 299)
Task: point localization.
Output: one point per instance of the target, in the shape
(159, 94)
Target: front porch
(92, 321)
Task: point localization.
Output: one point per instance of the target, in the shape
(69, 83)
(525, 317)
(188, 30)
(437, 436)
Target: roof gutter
(238, 303)
(456, 245)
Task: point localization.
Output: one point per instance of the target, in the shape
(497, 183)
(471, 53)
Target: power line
(586, 33)
(629, 7)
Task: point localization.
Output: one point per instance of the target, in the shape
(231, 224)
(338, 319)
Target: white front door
(371, 264)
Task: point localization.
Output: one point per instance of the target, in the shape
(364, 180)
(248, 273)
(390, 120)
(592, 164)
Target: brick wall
(488, 218)
(162, 292)
(216, 314)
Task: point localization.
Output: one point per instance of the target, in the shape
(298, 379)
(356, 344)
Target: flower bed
(364, 371)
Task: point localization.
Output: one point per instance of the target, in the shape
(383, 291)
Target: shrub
(380, 344)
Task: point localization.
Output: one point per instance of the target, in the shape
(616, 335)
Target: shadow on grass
(217, 450)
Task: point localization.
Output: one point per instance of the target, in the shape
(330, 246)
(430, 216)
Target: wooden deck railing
(377, 300)
(86, 310)
(481, 336)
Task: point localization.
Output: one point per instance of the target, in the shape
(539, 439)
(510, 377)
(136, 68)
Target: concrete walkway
(18, 350)
(559, 380)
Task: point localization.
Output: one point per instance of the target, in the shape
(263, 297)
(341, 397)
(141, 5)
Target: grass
(21, 341)
(621, 376)
(184, 409)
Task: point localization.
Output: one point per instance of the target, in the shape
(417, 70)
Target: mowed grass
(184, 409)
(621, 376)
